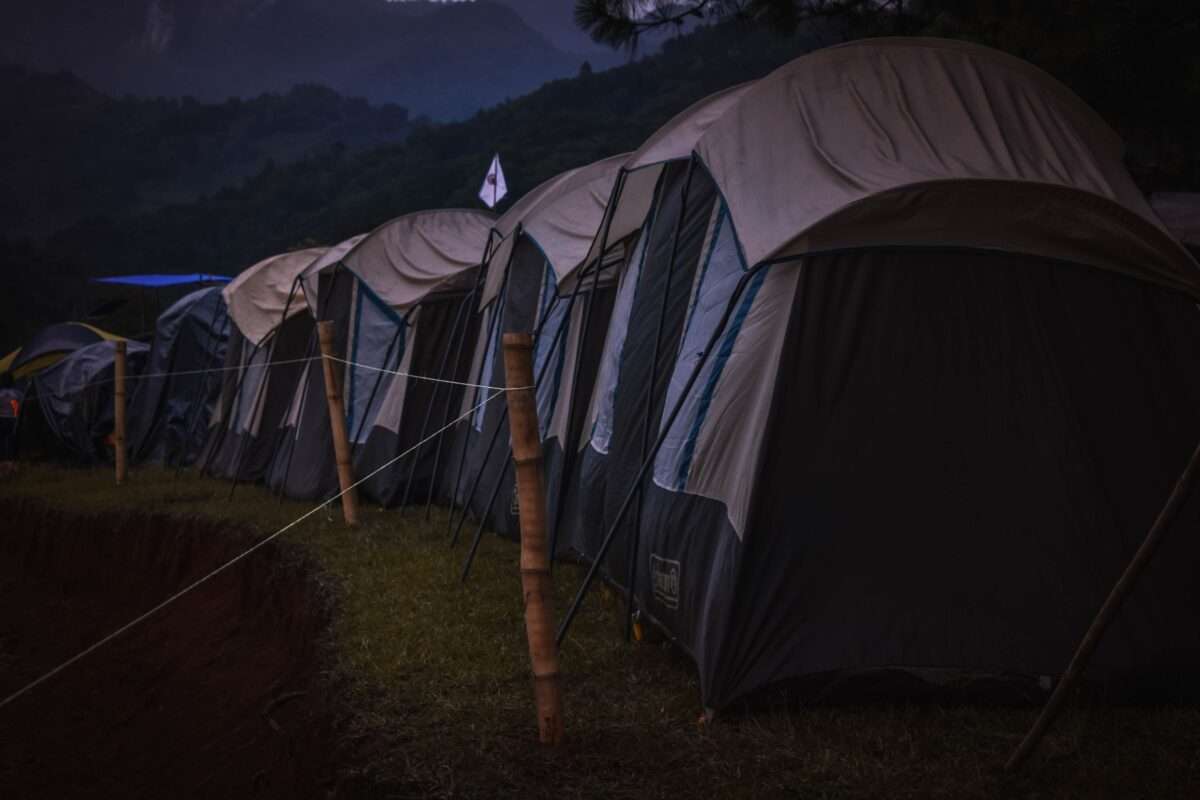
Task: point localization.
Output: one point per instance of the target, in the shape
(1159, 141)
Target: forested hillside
(68, 151)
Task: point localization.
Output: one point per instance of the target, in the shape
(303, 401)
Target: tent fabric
(52, 343)
(75, 398)
(563, 219)
(160, 281)
(674, 141)
(417, 254)
(1180, 213)
(260, 296)
(947, 142)
(171, 415)
(310, 278)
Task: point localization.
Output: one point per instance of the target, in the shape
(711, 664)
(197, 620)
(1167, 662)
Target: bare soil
(219, 694)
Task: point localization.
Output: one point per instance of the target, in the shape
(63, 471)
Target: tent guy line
(241, 556)
(285, 362)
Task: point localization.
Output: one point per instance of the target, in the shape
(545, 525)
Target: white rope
(417, 377)
(132, 623)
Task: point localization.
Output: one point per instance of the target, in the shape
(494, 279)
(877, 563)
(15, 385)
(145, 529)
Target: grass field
(432, 681)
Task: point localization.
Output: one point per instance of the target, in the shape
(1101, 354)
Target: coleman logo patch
(664, 573)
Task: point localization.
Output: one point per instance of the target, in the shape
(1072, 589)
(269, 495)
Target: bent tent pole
(658, 443)
(631, 573)
(558, 339)
(262, 386)
(304, 377)
(196, 410)
(1107, 613)
(470, 304)
(571, 443)
(487, 454)
(462, 458)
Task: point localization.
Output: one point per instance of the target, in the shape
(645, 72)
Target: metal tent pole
(631, 572)
(649, 460)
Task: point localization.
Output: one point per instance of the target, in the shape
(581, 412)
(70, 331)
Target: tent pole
(197, 406)
(458, 348)
(649, 460)
(631, 573)
(571, 444)
(1107, 613)
(462, 458)
(437, 388)
(262, 384)
(337, 424)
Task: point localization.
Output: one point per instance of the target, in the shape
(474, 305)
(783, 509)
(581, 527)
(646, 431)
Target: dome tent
(401, 300)
(267, 344)
(174, 403)
(961, 300)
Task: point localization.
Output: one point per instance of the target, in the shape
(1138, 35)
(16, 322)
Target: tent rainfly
(911, 347)
(402, 301)
(49, 346)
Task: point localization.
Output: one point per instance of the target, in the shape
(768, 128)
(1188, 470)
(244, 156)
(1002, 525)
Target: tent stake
(337, 424)
(535, 562)
(119, 413)
(1108, 612)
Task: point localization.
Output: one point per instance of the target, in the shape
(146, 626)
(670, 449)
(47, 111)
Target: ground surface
(354, 664)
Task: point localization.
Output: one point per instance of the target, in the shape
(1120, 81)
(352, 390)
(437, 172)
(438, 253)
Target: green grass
(433, 678)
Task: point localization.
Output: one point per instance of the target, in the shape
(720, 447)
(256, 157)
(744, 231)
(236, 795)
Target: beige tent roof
(258, 296)
(1180, 212)
(931, 142)
(562, 215)
(672, 142)
(406, 259)
(309, 278)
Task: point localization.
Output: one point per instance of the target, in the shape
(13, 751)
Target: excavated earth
(220, 694)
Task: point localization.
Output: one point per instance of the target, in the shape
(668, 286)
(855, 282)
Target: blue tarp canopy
(158, 281)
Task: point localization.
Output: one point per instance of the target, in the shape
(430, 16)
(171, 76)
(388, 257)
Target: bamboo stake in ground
(535, 560)
(119, 450)
(337, 424)
(1108, 612)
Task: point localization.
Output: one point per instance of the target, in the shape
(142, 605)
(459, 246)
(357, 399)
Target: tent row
(877, 367)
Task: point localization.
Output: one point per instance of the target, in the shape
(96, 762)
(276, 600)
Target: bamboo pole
(535, 561)
(122, 456)
(337, 424)
(1107, 613)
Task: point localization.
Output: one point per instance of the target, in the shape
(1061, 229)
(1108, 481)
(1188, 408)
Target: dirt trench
(220, 694)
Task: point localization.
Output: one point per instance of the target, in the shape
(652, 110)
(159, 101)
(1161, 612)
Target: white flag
(494, 188)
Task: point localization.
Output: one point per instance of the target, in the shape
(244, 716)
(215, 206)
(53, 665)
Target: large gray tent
(401, 301)
(183, 380)
(902, 389)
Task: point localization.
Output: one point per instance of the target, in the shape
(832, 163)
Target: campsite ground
(424, 688)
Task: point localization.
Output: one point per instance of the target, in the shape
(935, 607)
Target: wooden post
(119, 450)
(337, 424)
(1108, 612)
(535, 560)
